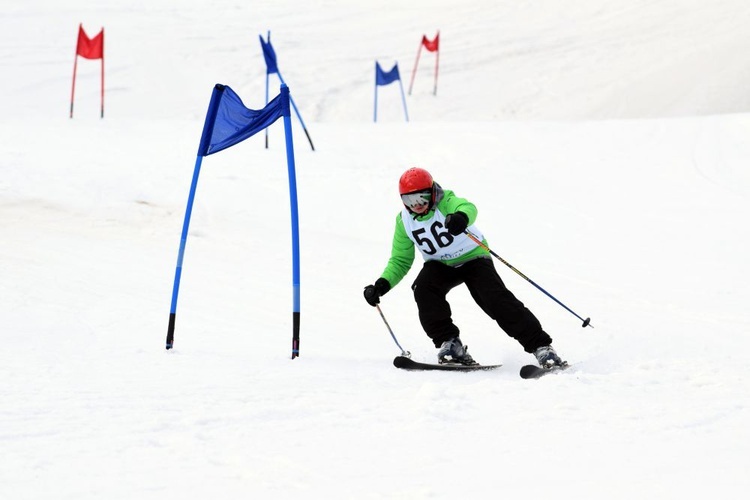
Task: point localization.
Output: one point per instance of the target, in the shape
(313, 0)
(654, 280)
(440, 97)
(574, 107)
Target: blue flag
(269, 55)
(383, 78)
(228, 121)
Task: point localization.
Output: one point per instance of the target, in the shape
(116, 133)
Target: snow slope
(604, 142)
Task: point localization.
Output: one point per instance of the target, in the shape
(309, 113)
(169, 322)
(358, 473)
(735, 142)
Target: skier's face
(418, 202)
(421, 209)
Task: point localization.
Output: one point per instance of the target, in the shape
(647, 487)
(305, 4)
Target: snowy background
(605, 143)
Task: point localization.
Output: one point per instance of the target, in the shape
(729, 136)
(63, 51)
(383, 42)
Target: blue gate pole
(296, 111)
(208, 126)
(266, 104)
(294, 208)
(375, 112)
(403, 98)
(181, 253)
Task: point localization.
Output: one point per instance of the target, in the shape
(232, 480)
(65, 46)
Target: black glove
(456, 223)
(374, 292)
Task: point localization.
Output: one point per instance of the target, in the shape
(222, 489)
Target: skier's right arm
(402, 255)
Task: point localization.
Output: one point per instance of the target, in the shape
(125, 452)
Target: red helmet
(417, 190)
(414, 179)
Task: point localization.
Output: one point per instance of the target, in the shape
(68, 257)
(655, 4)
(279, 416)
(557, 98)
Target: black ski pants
(436, 279)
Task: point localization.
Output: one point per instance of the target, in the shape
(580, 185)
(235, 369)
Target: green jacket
(402, 251)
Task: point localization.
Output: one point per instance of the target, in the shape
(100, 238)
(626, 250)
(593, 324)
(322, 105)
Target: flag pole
(266, 130)
(181, 253)
(437, 62)
(375, 117)
(403, 98)
(73, 90)
(272, 67)
(294, 208)
(208, 126)
(296, 111)
(102, 79)
(416, 63)
(266, 104)
(75, 68)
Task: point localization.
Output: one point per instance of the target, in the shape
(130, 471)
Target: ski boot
(548, 358)
(454, 352)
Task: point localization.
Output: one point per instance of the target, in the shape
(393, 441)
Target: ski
(534, 371)
(409, 364)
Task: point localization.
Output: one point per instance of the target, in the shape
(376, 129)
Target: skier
(435, 220)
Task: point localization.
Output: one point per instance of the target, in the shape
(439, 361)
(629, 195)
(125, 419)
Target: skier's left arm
(460, 213)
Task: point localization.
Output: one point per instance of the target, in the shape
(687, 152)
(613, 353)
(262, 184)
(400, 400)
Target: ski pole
(586, 322)
(403, 353)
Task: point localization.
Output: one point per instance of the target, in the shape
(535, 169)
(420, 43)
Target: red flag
(90, 48)
(431, 46)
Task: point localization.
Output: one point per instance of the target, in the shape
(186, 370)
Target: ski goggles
(420, 199)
